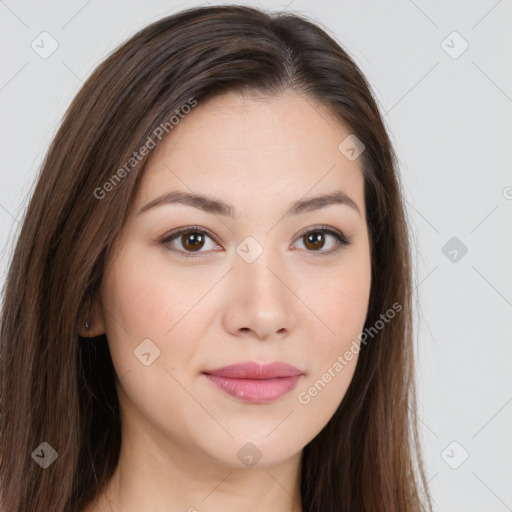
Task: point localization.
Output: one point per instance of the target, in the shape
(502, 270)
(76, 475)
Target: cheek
(149, 334)
(150, 302)
(132, 297)
(146, 299)
(339, 300)
(341, 310)
(333, 355)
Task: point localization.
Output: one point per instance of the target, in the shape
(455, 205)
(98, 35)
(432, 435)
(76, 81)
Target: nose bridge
(256, 268)
(262, 301)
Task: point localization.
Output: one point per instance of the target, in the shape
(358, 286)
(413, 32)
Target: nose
(261, 302)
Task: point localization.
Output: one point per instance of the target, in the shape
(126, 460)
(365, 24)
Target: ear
(95, 318)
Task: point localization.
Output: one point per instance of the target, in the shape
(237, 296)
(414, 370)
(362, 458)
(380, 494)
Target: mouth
(255, 383)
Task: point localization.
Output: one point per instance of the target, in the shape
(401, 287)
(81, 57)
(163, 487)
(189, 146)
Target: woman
(209, 303)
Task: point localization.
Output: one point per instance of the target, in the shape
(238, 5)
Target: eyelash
(341, 240)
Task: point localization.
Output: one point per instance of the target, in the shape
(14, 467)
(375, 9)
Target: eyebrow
(211, 205)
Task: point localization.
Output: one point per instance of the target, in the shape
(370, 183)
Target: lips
(255, 383)
(252, 370)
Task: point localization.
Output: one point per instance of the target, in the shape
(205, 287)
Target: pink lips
(255, 383)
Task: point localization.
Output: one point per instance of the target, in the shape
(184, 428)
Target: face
(258, 281)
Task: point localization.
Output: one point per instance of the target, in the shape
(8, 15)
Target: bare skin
(297, 302)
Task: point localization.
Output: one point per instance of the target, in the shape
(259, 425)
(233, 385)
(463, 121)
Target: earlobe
(85, 330)
(93, 323)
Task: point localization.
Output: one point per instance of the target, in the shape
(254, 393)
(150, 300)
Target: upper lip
(252, 370)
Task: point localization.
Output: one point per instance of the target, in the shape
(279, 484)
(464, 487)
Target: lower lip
(256, 391)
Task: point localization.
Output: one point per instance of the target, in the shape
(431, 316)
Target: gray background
(448, 114)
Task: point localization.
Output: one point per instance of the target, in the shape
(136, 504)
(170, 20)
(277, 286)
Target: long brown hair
(59, 388)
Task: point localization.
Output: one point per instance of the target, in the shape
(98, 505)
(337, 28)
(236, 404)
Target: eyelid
(322, 227)
(187, 229)
(341, 239)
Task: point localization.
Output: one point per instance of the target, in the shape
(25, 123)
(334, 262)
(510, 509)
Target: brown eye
(314, 240)
(192, 241)
(323, 241)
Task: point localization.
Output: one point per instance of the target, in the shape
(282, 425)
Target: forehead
(268, 146)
